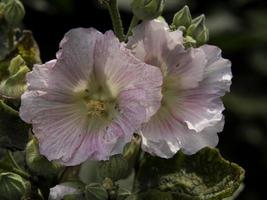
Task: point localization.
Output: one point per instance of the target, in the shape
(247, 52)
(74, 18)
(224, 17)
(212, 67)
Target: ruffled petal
(165, 135)
(151, 40)
(201, 106)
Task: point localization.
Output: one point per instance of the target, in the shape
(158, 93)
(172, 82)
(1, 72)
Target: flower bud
(182, 18)
(198, 30)
(147, 9)
(37, 163)
(12, 186)
(14, 12)
(115, 168)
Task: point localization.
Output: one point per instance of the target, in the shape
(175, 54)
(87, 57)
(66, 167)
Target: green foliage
(14, 86)
(115, 168)
(13, 131)
(28, 49)
(120, 166)
(14, 12)
(95, 191)
(203, 176)
(38, 164)
(12, 186)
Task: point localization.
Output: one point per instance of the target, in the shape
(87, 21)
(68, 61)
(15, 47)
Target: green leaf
(13, 131)
(115, 168)
(95, 191)
(14, 86)
(12, 186)
(203, 176)
(38, 164)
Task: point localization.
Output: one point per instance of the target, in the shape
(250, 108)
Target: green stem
(133, 24)
(13, 161)
(116, 18)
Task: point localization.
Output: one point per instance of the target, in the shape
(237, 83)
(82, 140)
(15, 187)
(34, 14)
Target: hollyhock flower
(194, 80)
(88, 102)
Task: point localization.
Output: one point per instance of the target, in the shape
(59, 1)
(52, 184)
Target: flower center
(95, 108)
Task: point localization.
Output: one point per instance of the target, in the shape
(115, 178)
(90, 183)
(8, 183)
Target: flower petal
(59, 115)
(151, 39)
(201, 106)
(59, 191)
(121, 71)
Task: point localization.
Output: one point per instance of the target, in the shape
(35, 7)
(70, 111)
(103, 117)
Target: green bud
(37, 163)
(95, 191)
(14, 12)
(182, 18)
(147, 9)
(12, 186)
(198, 30)
(115, 168)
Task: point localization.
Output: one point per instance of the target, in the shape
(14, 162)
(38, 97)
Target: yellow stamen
(95, 107)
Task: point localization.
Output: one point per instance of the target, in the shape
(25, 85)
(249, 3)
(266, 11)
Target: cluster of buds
(195, 30)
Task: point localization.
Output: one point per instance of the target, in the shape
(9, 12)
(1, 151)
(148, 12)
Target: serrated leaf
(203, 176)
(13, 131)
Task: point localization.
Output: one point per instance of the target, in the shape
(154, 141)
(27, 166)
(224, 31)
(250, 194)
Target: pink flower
(88, 102)
(194, 80)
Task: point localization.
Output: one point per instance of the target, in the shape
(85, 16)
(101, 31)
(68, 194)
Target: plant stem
(116, 18)
(13, 161)
(133, 24)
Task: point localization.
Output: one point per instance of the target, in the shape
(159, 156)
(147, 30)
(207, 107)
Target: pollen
(95, 108)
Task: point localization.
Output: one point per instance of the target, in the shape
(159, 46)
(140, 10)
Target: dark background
(238, 27)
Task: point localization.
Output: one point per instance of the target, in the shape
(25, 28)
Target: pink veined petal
(58, 114)
(165, 135)
(187, 66)
(58, 127)
(201, 106)
(118, 68)
(151, 39)
(194, 80)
